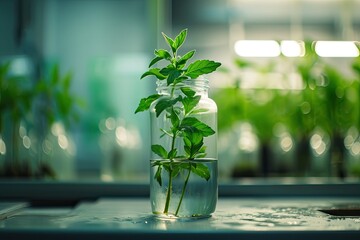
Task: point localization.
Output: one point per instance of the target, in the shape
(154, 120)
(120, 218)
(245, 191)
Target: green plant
(15, 105)
(179, 110)
(55, 103)
(59, 103)
(40, 104)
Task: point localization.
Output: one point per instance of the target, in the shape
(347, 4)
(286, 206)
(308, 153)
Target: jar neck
(200, 86)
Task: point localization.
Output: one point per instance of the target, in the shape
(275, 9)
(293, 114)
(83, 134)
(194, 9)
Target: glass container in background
(121, 144)
(246, 160)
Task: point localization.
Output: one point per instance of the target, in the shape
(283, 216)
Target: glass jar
(183, 165)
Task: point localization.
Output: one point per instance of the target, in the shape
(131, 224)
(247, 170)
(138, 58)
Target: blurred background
(288, 91)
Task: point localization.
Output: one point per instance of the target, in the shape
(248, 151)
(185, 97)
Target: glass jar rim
(200, 82)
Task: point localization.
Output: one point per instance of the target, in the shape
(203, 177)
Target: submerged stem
(183, 190)
(168, 193)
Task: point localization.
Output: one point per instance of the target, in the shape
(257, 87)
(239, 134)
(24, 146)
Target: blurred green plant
(328, 101)
(58, 102)
(44, 102)
(15, 104)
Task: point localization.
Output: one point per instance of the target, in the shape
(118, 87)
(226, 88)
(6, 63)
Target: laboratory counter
(241, 213)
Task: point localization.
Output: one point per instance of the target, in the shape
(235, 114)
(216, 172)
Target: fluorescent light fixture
(257, 48)
(291, 48)
(336, 49)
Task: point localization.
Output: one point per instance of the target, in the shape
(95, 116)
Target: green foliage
(49, 99)
(61, 105)
(14, 97)
(174, 73)
(329, 100)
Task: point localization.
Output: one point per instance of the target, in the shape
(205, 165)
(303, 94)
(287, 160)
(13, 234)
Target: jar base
(172, 217)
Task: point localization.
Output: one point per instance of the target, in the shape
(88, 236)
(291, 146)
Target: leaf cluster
(177, 68)
(179, 109)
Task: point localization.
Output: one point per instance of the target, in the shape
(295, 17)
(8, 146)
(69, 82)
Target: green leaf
(170, 42)
(158, 175)
(179, 40)
(55, 75)
(175, 121)
(171, 73)
(176, 167)
(201, 170)
(162, 53)
(165, 103)
(189, 103)
(201, 153)
(180, 79)
(182, 61)
(201, 67)
(173, 76)
(172, 153)
(188, 91)
(159, 150)
(193, 141)
(200, 126)
(155, 72)
(146, 102)
(155, 60)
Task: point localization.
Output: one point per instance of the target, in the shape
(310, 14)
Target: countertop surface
(113, 218)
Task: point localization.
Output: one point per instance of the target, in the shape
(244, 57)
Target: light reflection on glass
(47, 147)
(305, 107)
(22, 131)
(26, 142)
(119, 142)
(355, 148)
(352, 141)
(319, 143)
(56, 129)
(63, 141)
(285, 139)
(286, 142)
(248, 141)
(121, 136)
(110, 123)
(352, 135)
(2, 146)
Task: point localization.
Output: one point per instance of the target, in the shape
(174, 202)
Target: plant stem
(168, 193)
(183, 190)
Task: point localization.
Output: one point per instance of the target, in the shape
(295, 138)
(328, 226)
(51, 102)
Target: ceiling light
(292, 48)
(257, 48)
(336, 49)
